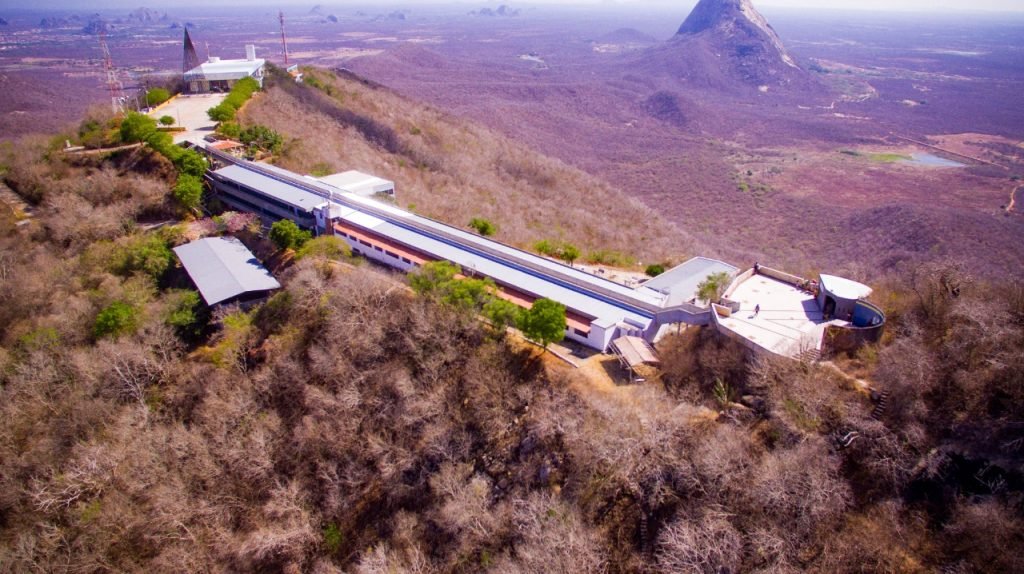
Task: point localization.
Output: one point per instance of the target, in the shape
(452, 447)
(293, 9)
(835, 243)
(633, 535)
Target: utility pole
(284, 39)
(113, 82)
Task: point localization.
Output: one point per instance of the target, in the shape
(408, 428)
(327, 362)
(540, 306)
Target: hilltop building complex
(766, 309)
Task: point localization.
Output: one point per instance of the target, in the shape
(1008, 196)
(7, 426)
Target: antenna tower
(284, 39)
(113, 82)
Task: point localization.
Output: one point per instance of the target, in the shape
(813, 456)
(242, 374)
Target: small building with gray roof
(225, 271)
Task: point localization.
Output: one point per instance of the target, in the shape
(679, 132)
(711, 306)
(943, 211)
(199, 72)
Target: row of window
(392, 254)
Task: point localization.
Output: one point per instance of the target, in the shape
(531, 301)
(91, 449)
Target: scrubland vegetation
(349, 425)
(456, 171)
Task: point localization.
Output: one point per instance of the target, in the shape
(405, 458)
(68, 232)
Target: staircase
(881, 405)
(809, 356)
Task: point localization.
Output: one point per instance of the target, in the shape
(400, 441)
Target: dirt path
(1013, 198)
(99, 151)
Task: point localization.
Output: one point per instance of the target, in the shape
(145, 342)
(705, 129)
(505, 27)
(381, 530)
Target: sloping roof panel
(844, 288)
(223, 268)
(680, 283)
(279, 190)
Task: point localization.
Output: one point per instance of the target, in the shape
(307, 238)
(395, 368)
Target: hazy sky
(875, 5)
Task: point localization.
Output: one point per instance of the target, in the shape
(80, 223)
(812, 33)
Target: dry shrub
(551, 537)
(707, 544)
(985, 535)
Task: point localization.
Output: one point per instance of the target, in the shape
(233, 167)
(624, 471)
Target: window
(395, 255)
(580, 333)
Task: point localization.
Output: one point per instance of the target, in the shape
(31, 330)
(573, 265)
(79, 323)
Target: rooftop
(679, 284)
(222, 268)
(844, 288)
(217, 69)
(635, 351)
(271, 187)
(357, 182)
(789, 321)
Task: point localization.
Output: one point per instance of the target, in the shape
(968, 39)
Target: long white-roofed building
(598, 311)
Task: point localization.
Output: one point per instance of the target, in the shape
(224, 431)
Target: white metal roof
(226, 69)
(271, 187)
(466, 249)
(680, 283)
(844, 288)
(222, 268)
(357, 182)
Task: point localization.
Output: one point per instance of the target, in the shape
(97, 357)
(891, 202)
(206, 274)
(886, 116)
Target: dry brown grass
(453, 170)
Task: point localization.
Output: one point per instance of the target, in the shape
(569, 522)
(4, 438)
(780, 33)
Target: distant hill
(728, 45)
(627, 36)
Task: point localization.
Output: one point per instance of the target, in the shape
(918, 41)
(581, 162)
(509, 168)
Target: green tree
(166, 120)
(502, 313)
(286, 235)
(115, 319)
(467, 294)
(326, 246)
(568, 252)
(157, 96)
(712, 287)
(189, 162)
(137, 127)
(544, 322)
(427, 280)
(189, 191)
(483, 226)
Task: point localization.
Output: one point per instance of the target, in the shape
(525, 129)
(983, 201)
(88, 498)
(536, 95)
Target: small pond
(931, 160)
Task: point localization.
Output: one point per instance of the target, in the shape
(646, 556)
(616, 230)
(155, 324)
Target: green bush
(562, 250)
(332, 538)
(286, 235)
(261, 137)
(137, 127)
(483, 227)
(186, 314)
(326, 246)
(157, 96)
(231, 130)
(116, 319)
(166, 121)
(608, 257)
(222, 112)
(189, 191)
(148, 254)
(654, 270)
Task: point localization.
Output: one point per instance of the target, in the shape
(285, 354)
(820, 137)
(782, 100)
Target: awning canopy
(635, 351)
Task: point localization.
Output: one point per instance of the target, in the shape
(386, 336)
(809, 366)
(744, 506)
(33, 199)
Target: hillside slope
(346, 425)
(454, 170)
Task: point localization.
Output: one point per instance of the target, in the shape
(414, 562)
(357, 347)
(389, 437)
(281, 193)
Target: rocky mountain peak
(735, 23)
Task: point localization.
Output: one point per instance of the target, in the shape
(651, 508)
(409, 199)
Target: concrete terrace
(189, 112)
(789, 323)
